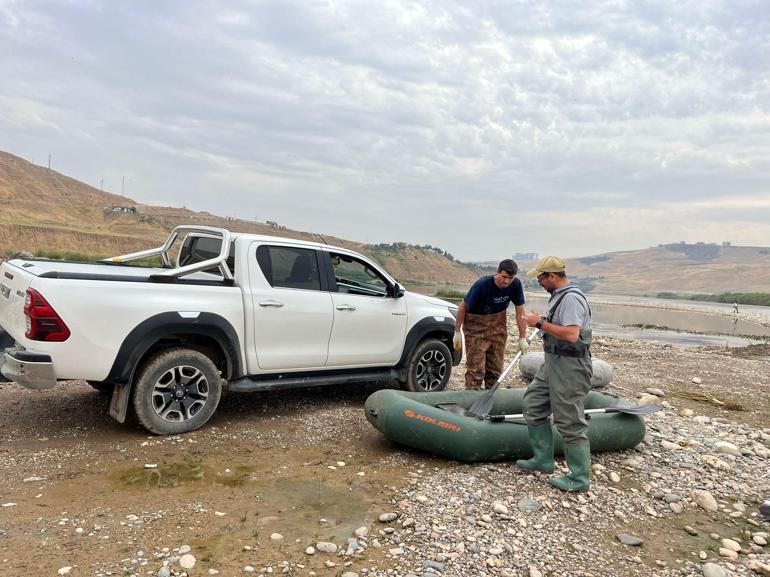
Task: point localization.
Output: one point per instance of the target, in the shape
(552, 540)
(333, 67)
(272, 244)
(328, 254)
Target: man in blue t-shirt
(483, 318)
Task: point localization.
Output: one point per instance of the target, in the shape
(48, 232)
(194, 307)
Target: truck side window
(288, 267)
(356, 277)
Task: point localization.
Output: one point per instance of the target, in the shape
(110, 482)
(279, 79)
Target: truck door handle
(346, 308)
(275, 304)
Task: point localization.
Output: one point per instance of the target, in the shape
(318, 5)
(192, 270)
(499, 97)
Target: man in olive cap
(563, 381)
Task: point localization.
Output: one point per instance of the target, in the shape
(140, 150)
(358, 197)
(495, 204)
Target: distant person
(483, 318)
(562, 381)
(735, 308)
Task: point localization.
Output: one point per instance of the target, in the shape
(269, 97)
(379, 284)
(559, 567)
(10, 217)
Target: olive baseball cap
(547, 264)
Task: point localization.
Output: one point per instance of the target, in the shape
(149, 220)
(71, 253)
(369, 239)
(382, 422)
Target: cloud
(481, 127)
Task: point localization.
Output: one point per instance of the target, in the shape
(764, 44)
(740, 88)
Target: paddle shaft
(641, 410)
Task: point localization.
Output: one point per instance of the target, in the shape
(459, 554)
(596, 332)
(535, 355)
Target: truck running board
(290, 381)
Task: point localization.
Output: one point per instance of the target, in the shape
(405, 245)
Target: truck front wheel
(429, 368)
(176, 391)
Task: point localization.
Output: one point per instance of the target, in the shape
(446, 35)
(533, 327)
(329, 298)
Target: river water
(701, 324)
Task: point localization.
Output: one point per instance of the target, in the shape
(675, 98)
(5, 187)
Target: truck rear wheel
(176, 391)
(429, 368)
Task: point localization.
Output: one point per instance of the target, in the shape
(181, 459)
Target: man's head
(550, 273)
(506, 272)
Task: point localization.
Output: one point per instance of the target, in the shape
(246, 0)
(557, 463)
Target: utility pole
(49, 161)
(122, 185)
(101, 186)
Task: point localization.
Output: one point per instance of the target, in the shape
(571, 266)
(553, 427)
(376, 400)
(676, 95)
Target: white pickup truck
(225, 311)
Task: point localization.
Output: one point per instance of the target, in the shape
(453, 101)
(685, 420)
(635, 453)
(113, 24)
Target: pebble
(65, 571)
(690, 530)
(732, 545)
(534, 572)
(187, 561)
(614, 477)
(726, 448)
(656, 392)
(669, 446)
(310, 550)
(326, 547)
(388, 517)
(713, 570)
(276, 537)
(705, 500)
(629, 539)
(528, 505)
(499, 508)
(697, 380)
(164, 572)
(361, 532)
(184, 549)
(759, 540)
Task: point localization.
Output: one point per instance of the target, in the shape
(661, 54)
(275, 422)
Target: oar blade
(634, 410)
(483, 404)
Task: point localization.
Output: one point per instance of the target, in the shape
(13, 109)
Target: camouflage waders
(485, 337)
(560, 387)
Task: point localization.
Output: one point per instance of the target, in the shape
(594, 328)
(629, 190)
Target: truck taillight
(43, 323)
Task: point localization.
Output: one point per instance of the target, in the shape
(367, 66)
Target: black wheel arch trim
(153, 329)
(426, 327)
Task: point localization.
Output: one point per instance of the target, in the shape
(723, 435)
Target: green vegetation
(758, 299)
(449, 294)
(589, 260)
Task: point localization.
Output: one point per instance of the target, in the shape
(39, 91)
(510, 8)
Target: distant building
(517, 256)
(130, 209)
(726, 243)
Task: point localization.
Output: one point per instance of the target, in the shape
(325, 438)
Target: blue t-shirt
(485, 298)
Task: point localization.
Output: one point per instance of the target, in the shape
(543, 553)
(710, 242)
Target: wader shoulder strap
(552, 312)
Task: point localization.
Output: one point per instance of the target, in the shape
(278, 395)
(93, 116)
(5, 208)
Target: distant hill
(679, 268)
(41, 209)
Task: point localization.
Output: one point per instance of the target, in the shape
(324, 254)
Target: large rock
(530, 363)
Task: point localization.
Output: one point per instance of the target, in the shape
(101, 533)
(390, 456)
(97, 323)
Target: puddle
(313, 508)
(182, 473)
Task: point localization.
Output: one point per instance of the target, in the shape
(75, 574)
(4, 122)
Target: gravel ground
(295, 483)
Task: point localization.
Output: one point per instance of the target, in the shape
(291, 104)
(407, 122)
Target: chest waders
(559, 388)
(485, 337)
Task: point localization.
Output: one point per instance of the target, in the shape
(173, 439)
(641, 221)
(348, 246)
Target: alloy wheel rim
(180, 393)
(431, 370)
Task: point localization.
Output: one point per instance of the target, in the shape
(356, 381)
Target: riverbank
(295, 482)
(760, 315)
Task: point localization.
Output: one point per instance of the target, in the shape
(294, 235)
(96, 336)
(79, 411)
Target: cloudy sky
(481, 127)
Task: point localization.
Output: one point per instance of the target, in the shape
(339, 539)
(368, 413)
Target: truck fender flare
(417, 333)
(150, 331)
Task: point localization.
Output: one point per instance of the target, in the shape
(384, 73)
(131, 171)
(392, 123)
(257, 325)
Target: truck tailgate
(14, 282)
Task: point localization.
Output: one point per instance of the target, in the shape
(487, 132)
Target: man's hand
(523, 346)
(532, 318)
(457, 341)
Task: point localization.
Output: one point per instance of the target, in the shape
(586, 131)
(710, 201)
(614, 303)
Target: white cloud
(465, 125)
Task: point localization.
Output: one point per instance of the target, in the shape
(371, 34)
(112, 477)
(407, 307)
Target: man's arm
(569, 333)
(460, 316)
(521, 321)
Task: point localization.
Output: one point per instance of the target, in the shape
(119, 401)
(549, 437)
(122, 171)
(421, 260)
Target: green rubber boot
(578, 458)
(541, 439)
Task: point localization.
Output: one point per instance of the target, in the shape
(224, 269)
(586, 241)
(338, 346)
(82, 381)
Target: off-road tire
(176, 391)
(103, 388)
(429, 368)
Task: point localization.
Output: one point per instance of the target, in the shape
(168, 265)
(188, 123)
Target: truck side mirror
(396, 291)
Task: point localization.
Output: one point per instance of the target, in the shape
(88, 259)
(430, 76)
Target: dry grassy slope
(42, 209)
(678, 268)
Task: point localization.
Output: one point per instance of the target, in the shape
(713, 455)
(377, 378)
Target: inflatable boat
(416, 420)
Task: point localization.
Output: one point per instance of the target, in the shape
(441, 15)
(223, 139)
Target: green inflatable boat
(414, 420)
